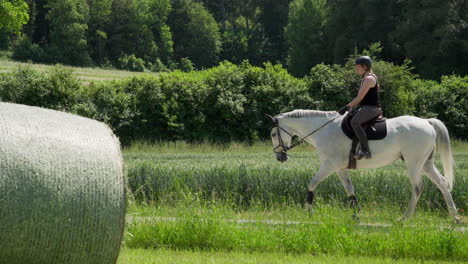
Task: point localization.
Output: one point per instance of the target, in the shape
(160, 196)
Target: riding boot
(362, 137)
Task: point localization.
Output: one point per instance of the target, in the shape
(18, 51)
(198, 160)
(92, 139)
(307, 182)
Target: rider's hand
(343, 110)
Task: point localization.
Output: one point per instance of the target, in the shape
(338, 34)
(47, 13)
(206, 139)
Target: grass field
(86, 75)
(226, 204)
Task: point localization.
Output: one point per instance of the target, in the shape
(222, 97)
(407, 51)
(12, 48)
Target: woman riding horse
(368, 98)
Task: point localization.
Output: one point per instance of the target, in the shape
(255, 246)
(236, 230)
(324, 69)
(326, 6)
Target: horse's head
(280, 138)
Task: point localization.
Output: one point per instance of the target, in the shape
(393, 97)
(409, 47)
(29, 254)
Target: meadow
(236, 203)
(85, 74)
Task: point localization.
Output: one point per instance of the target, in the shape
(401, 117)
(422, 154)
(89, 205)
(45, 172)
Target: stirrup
(362, 153)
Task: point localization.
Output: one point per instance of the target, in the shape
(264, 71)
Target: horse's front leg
(324, 171)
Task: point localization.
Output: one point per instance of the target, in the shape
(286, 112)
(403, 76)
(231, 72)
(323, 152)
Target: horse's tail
(443, 144)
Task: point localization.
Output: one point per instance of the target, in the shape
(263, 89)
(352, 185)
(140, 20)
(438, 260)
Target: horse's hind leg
(436, 177)
(349, 188)
(414, 169)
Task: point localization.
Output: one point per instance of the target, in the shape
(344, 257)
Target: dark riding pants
(364, 114)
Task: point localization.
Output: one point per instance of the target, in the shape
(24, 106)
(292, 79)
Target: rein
(284, 149)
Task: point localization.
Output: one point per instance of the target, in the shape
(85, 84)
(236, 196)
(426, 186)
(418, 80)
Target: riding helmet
(364, 60)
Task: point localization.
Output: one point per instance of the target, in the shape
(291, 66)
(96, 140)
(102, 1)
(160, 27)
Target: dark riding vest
(372, 96)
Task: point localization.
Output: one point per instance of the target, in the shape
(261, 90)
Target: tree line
(163, 35)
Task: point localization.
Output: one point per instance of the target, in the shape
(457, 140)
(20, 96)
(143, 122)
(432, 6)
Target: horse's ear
(272, 119)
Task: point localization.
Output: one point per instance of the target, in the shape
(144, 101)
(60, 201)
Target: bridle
(280, 140)
(284, 148)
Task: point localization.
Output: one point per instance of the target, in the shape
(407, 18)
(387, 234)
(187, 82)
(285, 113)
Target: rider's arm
(369, 82)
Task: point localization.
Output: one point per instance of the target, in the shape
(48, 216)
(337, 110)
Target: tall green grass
(243, 175)
(330, 230)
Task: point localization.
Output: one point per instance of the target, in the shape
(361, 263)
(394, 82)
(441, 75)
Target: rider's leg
(365, 114)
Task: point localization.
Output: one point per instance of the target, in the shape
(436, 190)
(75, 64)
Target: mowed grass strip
(146, 256)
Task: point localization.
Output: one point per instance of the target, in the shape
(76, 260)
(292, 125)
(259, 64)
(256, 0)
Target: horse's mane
(309, 113)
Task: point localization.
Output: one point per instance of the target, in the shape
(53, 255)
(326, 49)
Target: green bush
(186, 65)
(446, 101)
(271, 90)
(131, 63)
(57, 89)
(24, 50)
(395, 83)
(158, 66)
(229, 102)
(330, 87)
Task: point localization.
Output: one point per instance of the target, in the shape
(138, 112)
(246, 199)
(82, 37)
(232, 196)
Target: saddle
(375, 128)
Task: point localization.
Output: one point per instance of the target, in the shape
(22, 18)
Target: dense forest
(164, 35)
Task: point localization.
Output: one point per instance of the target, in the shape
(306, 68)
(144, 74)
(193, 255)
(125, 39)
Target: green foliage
(5, 39)
(445, 101)
(166, 49)
(99, 17)
(231, 98)
(56, 89)
(13, 14)
(296, 33)
(329, 85)
(118, 31)
(235, 42)
(141, 18)
(354, 25)
(272, 90)
(455, 104)
(274, 18)
(140, 27)
(196, 33)
(433, 35)
(186, 65)
(158, 66)
(305, 35)
(395, 83)
(159, 13)
(68, 43)
(131, 63)
(24, 50)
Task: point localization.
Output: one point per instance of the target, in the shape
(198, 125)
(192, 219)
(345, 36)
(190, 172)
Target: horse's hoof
(458, 219)
(402, 219)
(356, 217)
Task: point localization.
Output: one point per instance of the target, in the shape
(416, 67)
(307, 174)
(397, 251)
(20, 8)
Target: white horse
(409, 138)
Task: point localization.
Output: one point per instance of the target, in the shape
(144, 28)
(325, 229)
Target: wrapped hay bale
(62, 189)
